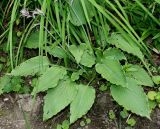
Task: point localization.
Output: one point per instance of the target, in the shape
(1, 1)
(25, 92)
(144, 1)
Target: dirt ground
(16, 113)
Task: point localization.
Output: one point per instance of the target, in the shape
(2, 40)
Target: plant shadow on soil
(15, 113)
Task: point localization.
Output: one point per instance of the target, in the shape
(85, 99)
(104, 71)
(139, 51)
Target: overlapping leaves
(31, 66)
(132, 98)
(83, 54)
(81, 11)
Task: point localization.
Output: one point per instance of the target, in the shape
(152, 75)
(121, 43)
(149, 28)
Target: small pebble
(5, 99)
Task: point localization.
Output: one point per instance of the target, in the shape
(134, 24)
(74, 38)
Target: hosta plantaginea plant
(77, 34)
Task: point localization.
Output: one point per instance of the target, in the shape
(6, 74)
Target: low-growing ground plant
(72, 43)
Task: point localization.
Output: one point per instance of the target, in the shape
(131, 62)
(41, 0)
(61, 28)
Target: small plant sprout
(124, 114)
(151, 95)
(103, 88)
(131, 121)
(156, 79)
(112, 115)
(82, 123)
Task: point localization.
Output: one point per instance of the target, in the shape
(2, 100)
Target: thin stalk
(26, 32)
(129, 27)
(122, 10)
(93, 2)
(13, 17)
(146, 10)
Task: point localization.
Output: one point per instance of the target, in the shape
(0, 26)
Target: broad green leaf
(114, 53)
(4, 81)
(132, 98)
(77, 52)
(31, 66)
(88, 59)
(82, 55)
(75, 75)
(56, 52)
(139, 75)
(130, 47)
(50, 78)
(111, 70)
(78, 13)
(58, 98)
(33, 40)
(82, 102)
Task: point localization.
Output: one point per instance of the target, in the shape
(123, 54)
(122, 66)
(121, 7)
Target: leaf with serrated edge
(50, 78)
(139, 75)
(82, 102)
(31, 66)
(111, 70)
(130, 47)
(58, 98)
(4, 81)
(114, 53)
(131, 98)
